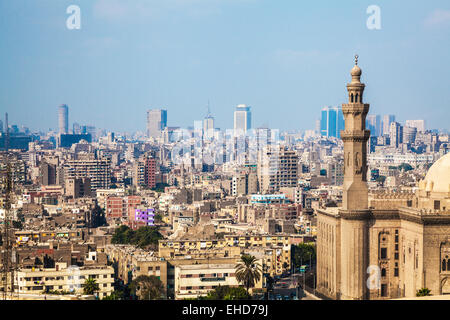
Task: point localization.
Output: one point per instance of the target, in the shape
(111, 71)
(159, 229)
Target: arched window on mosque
(356, 99)
(383, 272)
(351, 98)
(448, 264)
(444, 265)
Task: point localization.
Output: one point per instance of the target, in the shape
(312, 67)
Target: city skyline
(113, 69)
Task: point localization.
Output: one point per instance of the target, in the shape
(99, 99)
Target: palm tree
(90, 286)
(248, 271)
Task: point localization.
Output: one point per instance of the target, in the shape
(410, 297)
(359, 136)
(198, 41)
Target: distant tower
(156, 122)
(396, 134)
(242, 118)
(208, 124)
(6, 123)
(331, 122)
(387, 120)
(63, 118)
(354, 212)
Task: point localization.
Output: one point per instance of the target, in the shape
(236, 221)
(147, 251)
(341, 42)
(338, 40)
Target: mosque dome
(438, 176)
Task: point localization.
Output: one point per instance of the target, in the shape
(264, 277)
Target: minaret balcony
(355, 108)
(356, 135)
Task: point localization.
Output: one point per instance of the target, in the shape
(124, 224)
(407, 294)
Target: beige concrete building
(392, 245)
(192, 281)
(64, 278)
(277, 168)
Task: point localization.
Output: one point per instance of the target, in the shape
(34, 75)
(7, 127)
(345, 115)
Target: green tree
(148, 288)
(303, 253)
(160, 187)
(17, 224)
(143, 237)
(405, 167)
(90, 286)
(158, 218)
(227, 293)
(115, 295)
(423, 292)
(248, 271)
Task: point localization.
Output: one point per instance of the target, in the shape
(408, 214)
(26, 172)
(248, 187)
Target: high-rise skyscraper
(332, 122)
(409, 134)
(373, 123)
(419, 124)
(208, 125)
(396, 134)
(242, 118)
(387, 120)
(156, 122)
(277, 167)
(76, 128)
(63, 118)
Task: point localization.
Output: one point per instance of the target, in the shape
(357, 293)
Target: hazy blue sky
(286, 59)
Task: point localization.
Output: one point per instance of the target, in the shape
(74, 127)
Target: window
(383, 272)
(444, 266)
(396, 256)
(437, 204)
(396, 247)
(383, 253)
(157, 268)
(396, 272)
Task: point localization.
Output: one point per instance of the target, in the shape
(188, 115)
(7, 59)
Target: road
(291, 287)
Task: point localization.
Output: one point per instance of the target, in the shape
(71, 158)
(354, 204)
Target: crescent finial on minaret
(356, 59)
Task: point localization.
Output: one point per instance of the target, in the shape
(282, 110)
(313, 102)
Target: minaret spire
(355, 138)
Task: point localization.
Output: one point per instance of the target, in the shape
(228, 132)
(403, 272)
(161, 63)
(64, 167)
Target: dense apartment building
(277, 168)
(78, 187)
(98, 170)
(197, 280)
(180, 273)
(64, 278)
(246, 182)
(144, 171)
(122, 207)
(234, 245)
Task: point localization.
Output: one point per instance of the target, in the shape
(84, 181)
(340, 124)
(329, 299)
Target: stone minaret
(355, 138)
(354, 213)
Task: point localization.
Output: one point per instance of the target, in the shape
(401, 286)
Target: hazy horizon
(287, 60)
